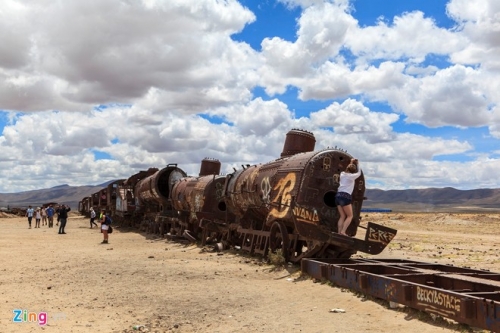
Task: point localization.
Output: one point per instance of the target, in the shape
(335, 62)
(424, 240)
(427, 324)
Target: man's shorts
(343, 199)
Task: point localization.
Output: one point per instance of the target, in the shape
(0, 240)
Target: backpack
(108, 220)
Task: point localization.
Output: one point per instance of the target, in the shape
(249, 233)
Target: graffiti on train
(305, 214)
(380, 236)
(283, 197)
(438, 301)
(265, 187)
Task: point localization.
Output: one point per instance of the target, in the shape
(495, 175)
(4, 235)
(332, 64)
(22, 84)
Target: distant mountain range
(434, 199)
(412, 200)
(63, 194)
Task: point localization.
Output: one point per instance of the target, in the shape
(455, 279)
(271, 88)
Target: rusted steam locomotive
(286, 205)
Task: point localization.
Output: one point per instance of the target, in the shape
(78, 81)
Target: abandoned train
(285, 206)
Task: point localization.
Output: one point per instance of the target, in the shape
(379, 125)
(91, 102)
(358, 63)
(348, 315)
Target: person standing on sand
(92, 217)
(29, 213)
(38, 217)
(57, 212)
(63, 216)
(50, 216)
(343, 199)
(104, 227)
(44, 216)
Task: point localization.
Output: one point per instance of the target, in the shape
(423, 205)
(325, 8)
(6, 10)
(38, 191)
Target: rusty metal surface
(94, 201)
(248, 194)
(132, 180)
(112, 196)
(84, 206)
(302, 186)
(201, 200)
(465, 295)
(298, 141)
(209, 166)
(286, 205)
(156, 188)
(298, 192)
(205, 199)
(127, 202)
(182, 192)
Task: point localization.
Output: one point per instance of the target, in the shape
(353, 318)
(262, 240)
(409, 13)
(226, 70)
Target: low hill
(434, 199)
(69, 195)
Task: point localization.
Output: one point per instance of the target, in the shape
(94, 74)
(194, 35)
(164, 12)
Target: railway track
(465, 295)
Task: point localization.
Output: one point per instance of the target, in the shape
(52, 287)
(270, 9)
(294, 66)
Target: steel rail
(465, 295)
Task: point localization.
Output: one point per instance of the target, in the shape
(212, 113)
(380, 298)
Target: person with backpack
(105, 226)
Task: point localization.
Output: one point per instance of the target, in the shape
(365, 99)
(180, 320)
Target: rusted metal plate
(298, 141)
(156, 188)
(209, 166)
(465, 295)
(201, 197)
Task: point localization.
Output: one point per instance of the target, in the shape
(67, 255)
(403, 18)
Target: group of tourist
(45, 215)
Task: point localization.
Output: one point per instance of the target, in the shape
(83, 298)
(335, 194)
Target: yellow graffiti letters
(305, 214)
(283, 197)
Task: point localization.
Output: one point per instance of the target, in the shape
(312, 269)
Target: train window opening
(163, 185)
(329, 199)
(222, 206)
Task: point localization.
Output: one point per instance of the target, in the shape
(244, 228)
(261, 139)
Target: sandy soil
(139, 279)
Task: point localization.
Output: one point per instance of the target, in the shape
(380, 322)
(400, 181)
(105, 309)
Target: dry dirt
(139, 279)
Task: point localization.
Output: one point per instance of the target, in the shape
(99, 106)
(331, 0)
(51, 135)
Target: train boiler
(288, 204)
(153, 197)
(201, 206)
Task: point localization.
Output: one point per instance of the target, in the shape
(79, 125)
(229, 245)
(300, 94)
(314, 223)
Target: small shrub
(277, 258)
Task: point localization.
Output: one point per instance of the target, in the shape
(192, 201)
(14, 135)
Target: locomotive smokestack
(298, 141)
(209, 167)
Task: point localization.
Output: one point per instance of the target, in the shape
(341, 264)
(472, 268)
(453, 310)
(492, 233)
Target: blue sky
(407, 87)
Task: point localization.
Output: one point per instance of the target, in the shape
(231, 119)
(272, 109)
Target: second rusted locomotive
(286, 205)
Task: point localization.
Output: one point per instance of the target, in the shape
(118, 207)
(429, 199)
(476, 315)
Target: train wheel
(312, 247)
(278, 240)
(337, 253)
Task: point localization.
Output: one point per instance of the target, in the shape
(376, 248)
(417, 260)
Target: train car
(153, 198)
(84, 206)
(284, 206)
(201, 206)
(126, 202)
(108, 196)
(288, 205)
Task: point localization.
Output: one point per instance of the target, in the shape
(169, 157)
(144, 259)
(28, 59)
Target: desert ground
(167, 286)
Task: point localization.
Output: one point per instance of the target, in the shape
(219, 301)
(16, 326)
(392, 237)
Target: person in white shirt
(92, 217)
(38, 217)
(44, 216)
(343, 199)
(29, 213)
